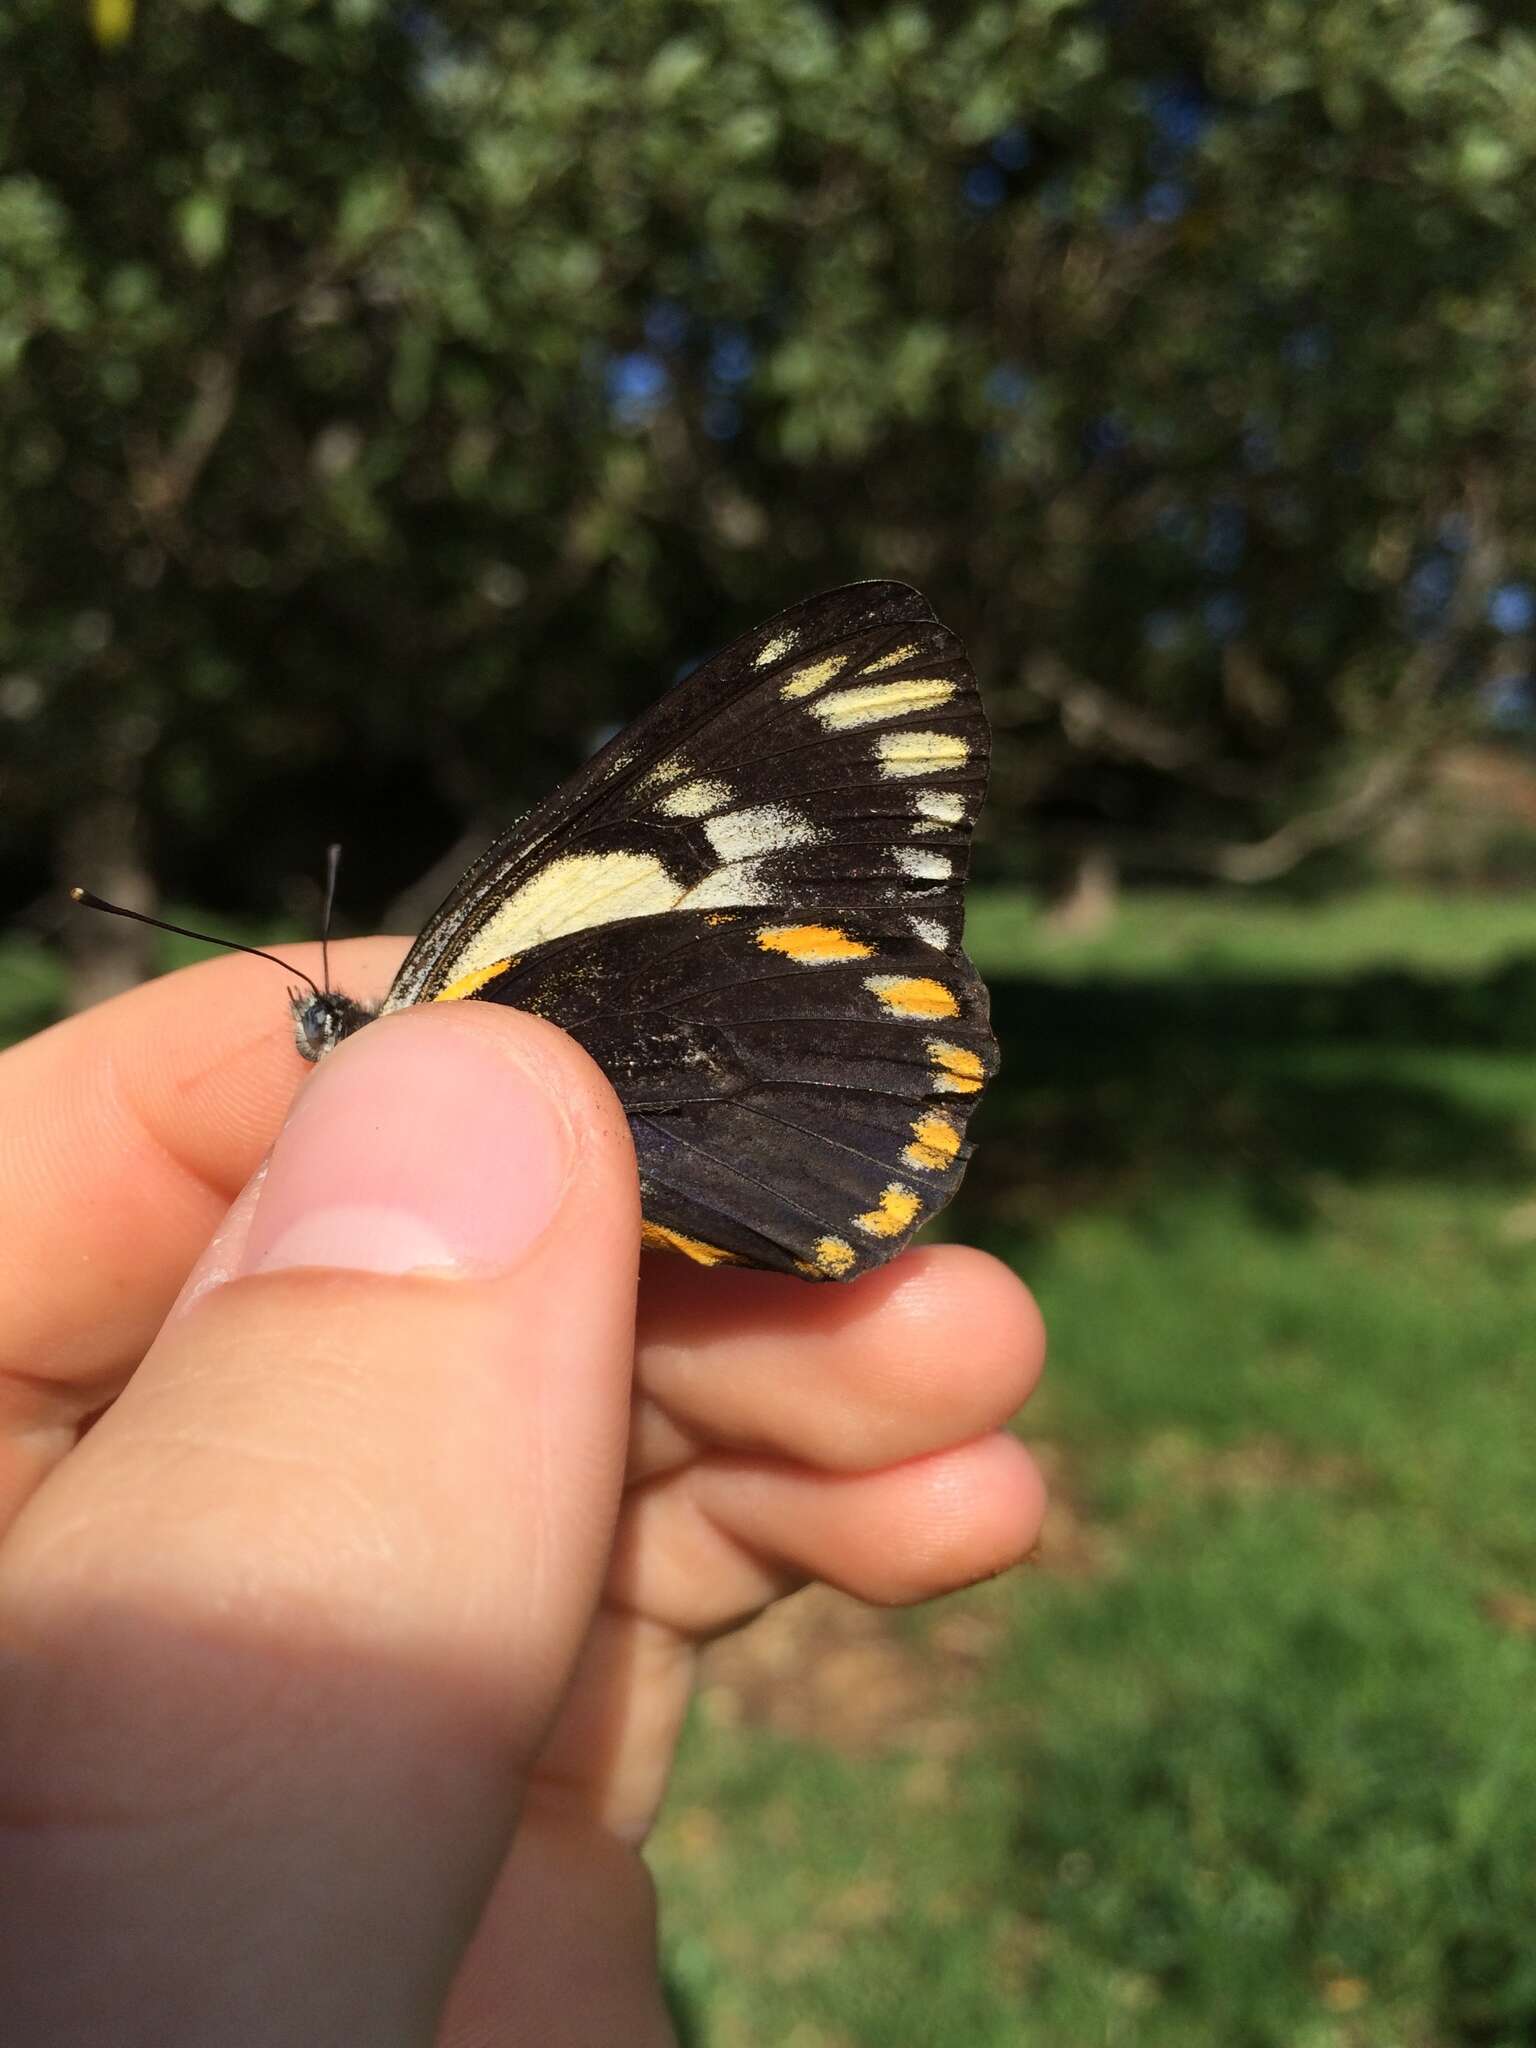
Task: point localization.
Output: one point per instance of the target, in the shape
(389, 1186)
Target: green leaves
(202, 222)
(681, 316)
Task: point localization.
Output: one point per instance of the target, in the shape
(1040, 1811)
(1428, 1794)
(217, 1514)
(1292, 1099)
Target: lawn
(1249, 1755)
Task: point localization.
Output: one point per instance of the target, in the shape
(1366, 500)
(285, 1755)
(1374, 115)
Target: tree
(391, 398)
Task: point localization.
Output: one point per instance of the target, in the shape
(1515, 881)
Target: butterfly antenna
(332, 863)
(89, 901)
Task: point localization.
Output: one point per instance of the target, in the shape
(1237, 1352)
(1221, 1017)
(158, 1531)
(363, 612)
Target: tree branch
(1093, 716)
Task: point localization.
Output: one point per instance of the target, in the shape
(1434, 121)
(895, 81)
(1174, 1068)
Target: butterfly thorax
(322, 1020)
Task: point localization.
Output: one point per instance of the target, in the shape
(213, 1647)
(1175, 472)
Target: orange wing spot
(935, 1143)
(811, 942)
(831, 1259)
(913, 995)
(656, 1237)
(722, 917)
(468, 984)
(957, 1070)
(898, 1211)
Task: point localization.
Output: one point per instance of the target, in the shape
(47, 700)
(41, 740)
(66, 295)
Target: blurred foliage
(391, 397)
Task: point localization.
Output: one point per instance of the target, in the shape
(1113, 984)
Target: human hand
(343, 1655)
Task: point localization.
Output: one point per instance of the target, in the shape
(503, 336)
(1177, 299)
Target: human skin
(352, 1590)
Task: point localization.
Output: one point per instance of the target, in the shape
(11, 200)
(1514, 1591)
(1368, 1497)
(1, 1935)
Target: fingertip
(961, 1516)
(909, 1532)
(953, 1291)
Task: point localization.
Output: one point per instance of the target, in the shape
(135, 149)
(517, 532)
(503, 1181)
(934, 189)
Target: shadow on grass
(1267, 1086)
(688, 2022)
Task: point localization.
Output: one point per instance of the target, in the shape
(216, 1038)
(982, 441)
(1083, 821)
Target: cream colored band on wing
(920, 753)
(872, 703)
(570, 895)
(584, 890)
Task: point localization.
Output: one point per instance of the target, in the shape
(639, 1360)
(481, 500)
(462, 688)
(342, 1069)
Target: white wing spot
(765, 828)
(930, 931)
(873, 703)
(695, 799)
(774, 650)
(748, 882)
(920, 753)
(946, 806)
(921, 865)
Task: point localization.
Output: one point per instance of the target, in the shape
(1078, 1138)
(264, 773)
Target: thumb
(288, 1627)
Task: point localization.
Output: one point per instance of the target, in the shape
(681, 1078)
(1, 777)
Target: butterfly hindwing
(748, 908)
(798, 1092)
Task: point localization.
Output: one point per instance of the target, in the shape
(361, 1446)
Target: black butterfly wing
(837, 755)
(798, 1089)
(748, 907)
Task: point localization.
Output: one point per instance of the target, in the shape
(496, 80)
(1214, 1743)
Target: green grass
(1251, 1757)
(1183, 932)
(31, 987)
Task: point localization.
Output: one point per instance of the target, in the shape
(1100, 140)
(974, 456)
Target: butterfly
(747, 907)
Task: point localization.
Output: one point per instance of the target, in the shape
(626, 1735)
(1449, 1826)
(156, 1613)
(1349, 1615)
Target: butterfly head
(322, 1018)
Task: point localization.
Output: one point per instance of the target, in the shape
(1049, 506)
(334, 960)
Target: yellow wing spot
(812, 942)
(935, 1141)
(806, 681)
(913, 995)
(695, 799)
(871, 703)
(957, 1070)
(774, 651)
(668, 769)
(467, 984)
(920, 753)
(831, 1259)
(894, 659)
(898, 1210)
(722, 917)
(655, 1237)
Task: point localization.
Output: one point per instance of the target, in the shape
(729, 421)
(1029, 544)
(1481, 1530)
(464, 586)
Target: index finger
(129, 1130)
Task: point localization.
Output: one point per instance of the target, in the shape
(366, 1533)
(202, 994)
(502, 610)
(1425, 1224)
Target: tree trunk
(99, 846)
(1089, 894)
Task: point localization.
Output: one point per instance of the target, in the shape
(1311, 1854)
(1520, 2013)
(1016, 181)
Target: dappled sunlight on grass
(1246, 1757)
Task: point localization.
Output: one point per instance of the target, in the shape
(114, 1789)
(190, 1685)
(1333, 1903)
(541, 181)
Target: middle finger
(935, 1349)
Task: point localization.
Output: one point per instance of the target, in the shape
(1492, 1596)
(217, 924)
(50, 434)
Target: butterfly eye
(321, 1022)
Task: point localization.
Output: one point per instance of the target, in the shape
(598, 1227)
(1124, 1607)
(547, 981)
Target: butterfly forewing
(748, 908)
(838, 754)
